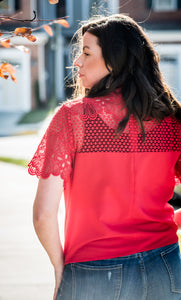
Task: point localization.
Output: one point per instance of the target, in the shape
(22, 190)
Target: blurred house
(30, 68)
(162, 21)
(43, 73)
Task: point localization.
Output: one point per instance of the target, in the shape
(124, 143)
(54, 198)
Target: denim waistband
(144, 255)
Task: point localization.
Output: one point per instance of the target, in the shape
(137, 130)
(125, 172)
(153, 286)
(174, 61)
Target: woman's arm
(45, 211)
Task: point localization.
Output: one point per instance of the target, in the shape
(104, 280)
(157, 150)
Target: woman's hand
(58, 279)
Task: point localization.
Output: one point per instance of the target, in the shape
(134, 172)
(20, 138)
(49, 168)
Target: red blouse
(116, 189)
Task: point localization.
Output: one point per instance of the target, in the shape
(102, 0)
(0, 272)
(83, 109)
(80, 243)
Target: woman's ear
(109, 68)
(109, 80)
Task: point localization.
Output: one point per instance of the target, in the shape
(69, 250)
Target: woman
(115, 152)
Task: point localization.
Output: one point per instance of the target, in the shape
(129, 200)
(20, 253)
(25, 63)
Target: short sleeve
(55, 152)
(178, 171)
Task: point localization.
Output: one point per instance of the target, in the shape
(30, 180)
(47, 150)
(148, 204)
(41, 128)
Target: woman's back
(116, 188)
(117, 152)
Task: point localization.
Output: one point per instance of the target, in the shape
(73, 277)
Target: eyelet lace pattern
(89, 125)
(54, 154)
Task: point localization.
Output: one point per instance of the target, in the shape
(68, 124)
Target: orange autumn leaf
(2, 75)
(6, 43)
(48, 29)
(23, 31)
(62, 22)
(7, 68)
(13, 78)
(53, 1)
(31, 38)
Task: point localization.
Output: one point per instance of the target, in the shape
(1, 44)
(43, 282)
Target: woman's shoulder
(68, 107)
(73, 103)
(80, 105)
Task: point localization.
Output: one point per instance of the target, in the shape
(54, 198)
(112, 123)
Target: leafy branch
(7, 18)
(25, 32)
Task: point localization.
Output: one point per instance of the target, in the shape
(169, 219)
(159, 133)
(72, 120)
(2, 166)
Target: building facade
(42, 74)
(162, 21)
(30, 67)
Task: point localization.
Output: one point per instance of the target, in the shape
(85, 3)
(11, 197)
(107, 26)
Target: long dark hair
(129, 53)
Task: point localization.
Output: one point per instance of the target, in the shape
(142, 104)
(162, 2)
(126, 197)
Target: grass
(39, 114)
(16, 161)
(35, 116)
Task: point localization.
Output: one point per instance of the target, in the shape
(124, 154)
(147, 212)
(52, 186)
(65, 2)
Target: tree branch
(19, 20)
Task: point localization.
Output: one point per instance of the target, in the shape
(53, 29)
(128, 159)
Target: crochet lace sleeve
(178, 171)
(54, 154)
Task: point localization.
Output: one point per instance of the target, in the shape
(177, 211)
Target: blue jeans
(151, 275)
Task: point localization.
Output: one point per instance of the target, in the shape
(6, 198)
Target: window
(60, 8)
(91, 7)
(7, 6)
(164, 5)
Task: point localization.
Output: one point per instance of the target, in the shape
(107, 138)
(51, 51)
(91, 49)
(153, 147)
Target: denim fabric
(151, 275)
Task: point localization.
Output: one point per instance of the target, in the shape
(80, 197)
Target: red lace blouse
(116, 190)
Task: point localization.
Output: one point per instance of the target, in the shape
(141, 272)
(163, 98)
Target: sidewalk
(20, 141)
(25, 270)
(22, 146)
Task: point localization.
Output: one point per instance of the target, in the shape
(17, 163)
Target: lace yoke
(89, 125)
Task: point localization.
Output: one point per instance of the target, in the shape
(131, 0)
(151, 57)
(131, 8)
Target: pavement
(25, 270)
(19, 141)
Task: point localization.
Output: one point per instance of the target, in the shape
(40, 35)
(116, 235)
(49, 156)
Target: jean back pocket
(97, 282)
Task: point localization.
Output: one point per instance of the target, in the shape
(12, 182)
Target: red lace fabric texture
(55, 152)
(89, 125)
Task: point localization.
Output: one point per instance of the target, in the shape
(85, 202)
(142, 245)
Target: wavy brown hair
(130, 55)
